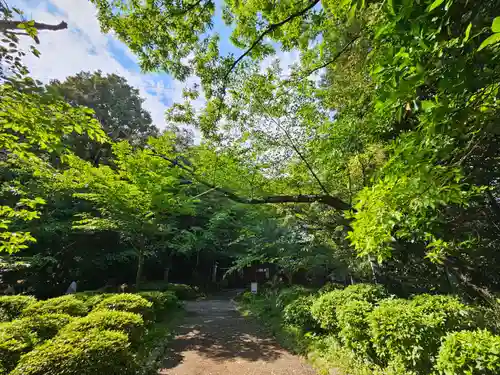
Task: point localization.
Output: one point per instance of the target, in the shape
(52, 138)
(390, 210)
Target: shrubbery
(162, 301)
(80, 353)
(45, 326)
(182, 291)
(12, 306)
(298, 313)
(127, 302)
(60, 305)
(288, 295)
(410, 331)
(127, 322)
(353, 326)
(15, 339)
(470, 353)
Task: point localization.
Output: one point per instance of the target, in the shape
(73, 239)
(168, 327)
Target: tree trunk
(165, 274)
(140, 266)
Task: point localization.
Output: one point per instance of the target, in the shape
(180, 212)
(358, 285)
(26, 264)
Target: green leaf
(467, 32)
(495, 27)
(434, 5)
(493, 39)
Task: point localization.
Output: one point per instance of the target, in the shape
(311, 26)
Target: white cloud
(84, 47)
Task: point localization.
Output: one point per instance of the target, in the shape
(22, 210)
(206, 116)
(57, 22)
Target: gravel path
(215, 340)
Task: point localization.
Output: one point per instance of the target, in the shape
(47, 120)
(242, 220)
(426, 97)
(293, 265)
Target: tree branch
(269, 30)
(13, 25)
(329, 200)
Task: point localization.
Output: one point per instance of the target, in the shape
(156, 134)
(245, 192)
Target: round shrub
(365, 292)
(127, 322)
(470, 353)
(60, 305)
(162, 301)
(353, 325)
(93, 301)
(15, 339)
(11, 306)
(127, 302)
(330, 287)
(287, 295)
(182, 291)
(45, 326)
(80, 353)
(298, 313)
(323, 309)
(409, 331)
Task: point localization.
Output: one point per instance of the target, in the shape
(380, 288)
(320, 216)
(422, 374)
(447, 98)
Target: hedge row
(422, 335)
(82, 334)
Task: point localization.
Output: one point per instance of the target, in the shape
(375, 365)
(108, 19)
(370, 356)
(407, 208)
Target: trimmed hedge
(470, 353)
(127, 302)
(182, 291)
(60, 305)
(12, 306)
(409, 331)
(126, 322)
(287, 295)
(15, 340)
(80, 353)
(162, 301)
(353, 326)
(45, 326)
(324, 307)
(298, 313)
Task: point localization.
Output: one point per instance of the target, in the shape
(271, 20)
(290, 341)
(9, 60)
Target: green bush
(324, 307)
(298, 313)
(287, 295)
(409, 331)
(162, 301)
(93, 301)
(80, 353)
(127, 302)
(60, 305)
(45, 326)
(470, 353)
(11, 306)
(353, 326)
(182, 291)
(127, 322)
(15, 339)
(330, 287)
(364, 292)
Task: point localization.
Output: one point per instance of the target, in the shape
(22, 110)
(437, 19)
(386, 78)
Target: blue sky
(84, 47)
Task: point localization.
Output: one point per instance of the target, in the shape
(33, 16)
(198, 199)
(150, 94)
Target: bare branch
(13, 25)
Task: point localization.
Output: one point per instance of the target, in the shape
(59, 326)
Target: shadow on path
(214, 339)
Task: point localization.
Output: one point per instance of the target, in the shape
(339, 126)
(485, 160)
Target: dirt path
(215, 340)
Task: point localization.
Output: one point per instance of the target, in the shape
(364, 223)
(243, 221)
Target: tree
(117, 106)
(136, 202)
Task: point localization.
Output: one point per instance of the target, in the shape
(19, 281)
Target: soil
(214, 339)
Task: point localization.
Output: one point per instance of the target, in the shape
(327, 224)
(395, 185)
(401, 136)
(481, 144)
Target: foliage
(469, 353)
(12, 306)
(126, 322)
(92, 299)
(80, 353)
(59, 305)
(409, 332)
(298, 313)
(288, 295)
(162, 301)
(129, 303)
(353, 326)
(325, 306)
(182, 291)
(15, 340)
(45, 326)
